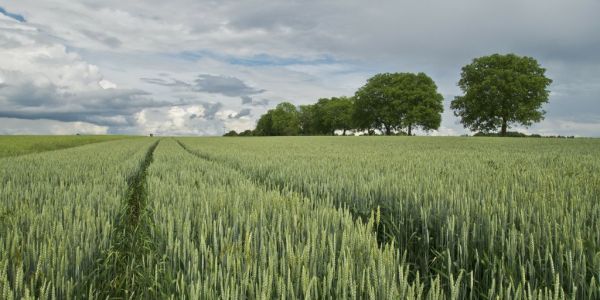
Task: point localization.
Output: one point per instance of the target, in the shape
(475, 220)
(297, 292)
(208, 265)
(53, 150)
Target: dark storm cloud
(224, 85)
(205, 83)
(247, 100)
(112, 107)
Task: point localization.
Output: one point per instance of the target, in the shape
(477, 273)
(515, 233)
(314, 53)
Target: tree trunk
(503, 130)
(409, 129)
(344, 133)
(388, 130)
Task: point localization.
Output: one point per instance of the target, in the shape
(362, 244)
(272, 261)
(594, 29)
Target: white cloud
(20, 126)
(444, 131)
(177, 120)
(42, 79)
(105, 84)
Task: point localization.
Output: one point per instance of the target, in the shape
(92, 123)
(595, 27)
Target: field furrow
(128, 268)
(232, 239)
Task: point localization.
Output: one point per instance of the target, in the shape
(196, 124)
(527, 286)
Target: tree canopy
(388, 102)
(394, 101)
(327, 115)
(501, 90)
(283, 120)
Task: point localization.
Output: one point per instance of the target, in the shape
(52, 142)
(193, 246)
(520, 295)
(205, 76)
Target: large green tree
(264, 126)
(501, 90)
(283, 120)
(394, 101)
(423, 105)
(286, 120)
(326, 116)
(337, 114)
(310, 119)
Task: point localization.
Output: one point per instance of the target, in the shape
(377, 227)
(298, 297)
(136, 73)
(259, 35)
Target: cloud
(167, 82)
(20, 126)
(203, 119)
(210, 84)
(241, 53)
(41, 79)
(210, 109)
(247, 100)
(176, 120)
(23, 98)
(242, 113)
(224, 85)
(110, 41)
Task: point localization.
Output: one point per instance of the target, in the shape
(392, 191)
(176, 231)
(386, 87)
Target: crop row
(19, 145)
(58, 212)
(514, 217)
(314, 218)
(229, 238)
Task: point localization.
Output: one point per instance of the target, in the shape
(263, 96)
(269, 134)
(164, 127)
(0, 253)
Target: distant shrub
(231, 133)
(508, 134)
(520, 134)
(246, 133)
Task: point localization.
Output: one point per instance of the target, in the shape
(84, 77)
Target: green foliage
(243, 133)
(286, 120)
(393, 101)
(246, 133)
(326, 116)
(283, 120)
(231, 133)
(309, 119)
(264, 126)
(500, 91)
(388, 102)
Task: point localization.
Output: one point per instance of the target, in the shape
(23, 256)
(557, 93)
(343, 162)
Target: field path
(128, 268)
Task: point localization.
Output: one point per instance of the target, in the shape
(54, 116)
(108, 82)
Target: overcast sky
(194, 67)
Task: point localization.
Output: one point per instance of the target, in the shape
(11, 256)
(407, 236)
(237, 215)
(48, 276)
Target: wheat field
(303, 218)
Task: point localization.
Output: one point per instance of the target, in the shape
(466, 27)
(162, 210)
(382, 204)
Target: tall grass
(229, 238)
(303, 218)
(12, 145)
(513, 217)
(57, 213)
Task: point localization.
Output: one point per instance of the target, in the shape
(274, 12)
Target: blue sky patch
(269, 60)
(17, 17)
(254, 60)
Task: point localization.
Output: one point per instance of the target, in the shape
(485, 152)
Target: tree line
(499, 91)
